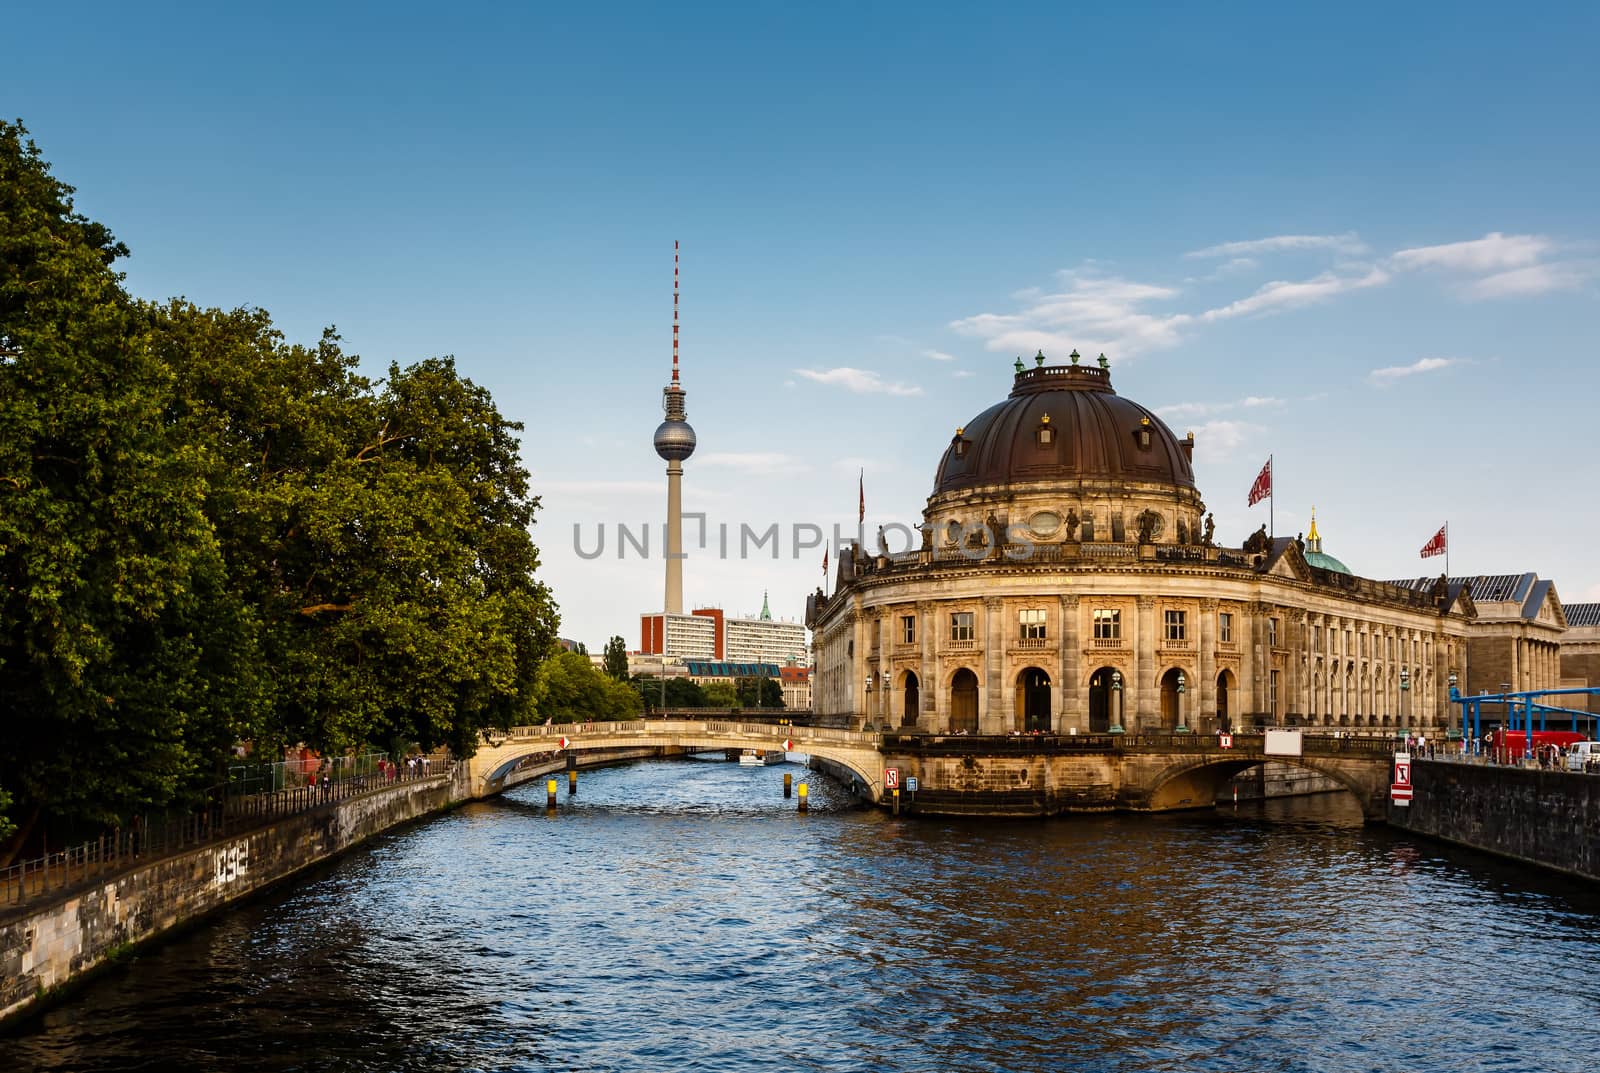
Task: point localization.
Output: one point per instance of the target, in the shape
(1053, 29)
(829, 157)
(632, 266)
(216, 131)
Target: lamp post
(1405, 688)
(1182, 727)
(1116, 703)
(866, 698)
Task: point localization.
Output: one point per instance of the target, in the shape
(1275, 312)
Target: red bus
(1508, 745)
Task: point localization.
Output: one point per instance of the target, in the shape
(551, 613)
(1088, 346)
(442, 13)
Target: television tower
(674, 441)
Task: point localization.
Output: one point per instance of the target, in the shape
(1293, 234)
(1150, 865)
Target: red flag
(1436, 546)
(824, 562)
(1262, 488)
(862, 516)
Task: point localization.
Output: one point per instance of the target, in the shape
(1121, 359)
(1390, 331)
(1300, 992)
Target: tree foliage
(721, 695)
(209, 534)
(759, 692)
(616, 659)
(573, 690)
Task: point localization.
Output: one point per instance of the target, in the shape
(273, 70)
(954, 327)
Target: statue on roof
(1258, 542)
(1211, 531)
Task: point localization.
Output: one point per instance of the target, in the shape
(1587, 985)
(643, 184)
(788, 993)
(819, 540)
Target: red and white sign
(788, 745)
(561, 743)
(1225, 740)
(891, 778)
(1400, 790)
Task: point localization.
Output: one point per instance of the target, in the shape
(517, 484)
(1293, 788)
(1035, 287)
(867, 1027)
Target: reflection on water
(683, 917)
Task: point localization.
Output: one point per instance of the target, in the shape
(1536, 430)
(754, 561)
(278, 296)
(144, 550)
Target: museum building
(1069, 581)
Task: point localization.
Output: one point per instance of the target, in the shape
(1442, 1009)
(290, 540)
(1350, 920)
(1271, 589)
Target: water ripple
(682, 916)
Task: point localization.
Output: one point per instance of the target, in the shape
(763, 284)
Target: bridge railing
(1206, 744)
(582, 735)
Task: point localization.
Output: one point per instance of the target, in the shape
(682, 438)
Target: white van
(1580, 754)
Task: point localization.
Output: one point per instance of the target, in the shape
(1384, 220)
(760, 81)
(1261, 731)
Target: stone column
(1203, 717)
(1073, 705)
(994, 719)
(882, 624)
(1141, 691)
(928, 685)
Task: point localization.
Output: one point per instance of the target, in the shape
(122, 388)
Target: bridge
(965, 774)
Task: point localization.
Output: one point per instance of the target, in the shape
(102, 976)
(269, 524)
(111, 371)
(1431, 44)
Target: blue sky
(1361, 238)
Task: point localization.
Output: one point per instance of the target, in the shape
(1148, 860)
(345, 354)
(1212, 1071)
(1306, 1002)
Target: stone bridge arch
(1193, 781)
(494, 768)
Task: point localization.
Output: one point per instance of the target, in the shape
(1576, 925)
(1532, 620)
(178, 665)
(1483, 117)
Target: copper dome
(1064, 423)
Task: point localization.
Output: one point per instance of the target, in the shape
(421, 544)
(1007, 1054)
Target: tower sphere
(674, 440)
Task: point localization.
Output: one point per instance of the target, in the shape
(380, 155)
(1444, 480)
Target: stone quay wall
(1547, 818)
(48, 945)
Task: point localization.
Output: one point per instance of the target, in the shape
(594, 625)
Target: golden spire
(1312, 539)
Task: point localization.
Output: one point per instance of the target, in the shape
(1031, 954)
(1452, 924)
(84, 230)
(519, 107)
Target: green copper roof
(766, 613)
(1326, 562)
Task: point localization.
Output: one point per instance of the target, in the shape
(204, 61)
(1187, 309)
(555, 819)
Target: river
(678, 917)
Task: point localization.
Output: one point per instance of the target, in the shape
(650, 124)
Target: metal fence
(253, 796)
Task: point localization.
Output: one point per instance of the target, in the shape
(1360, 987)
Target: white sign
(231, 863)
(561, 743)
(1225, 740)
(788, 745)
(1400, 791)
(891, 778)
(1282, 743)
(911, 784)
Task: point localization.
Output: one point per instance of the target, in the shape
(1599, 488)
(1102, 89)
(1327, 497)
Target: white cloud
(1346, 243)
(1092, 314)
(1204, 409)
(1216, 441)
(860, 381)
(1288, 294)
(1534, 279)
(1422, 365)
(750, 461)
(938, 355)
(1493, 252)
(963, 373)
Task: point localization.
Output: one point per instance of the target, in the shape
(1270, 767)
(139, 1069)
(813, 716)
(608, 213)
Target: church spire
(1313, 540)
(766, 613)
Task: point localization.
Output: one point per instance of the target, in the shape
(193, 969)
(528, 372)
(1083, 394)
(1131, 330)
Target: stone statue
(1258, 542)
(883, 544)
(1211, 530)
(927, 537)
(1183, 531)
(1072, 524)
(1147, 521)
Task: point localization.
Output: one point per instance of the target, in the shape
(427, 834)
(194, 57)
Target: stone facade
(1049, 599)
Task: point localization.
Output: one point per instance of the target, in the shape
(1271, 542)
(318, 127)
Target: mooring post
(804, 790)
(897, 800)
(550, 798)
(572, 781)
(788, 785)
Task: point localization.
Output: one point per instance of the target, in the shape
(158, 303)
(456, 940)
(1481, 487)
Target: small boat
(758, 757)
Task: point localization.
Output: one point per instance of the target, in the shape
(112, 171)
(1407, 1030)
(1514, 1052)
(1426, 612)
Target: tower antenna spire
(674, 311)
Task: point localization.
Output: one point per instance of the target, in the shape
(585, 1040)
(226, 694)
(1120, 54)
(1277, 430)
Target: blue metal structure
(1524, 702)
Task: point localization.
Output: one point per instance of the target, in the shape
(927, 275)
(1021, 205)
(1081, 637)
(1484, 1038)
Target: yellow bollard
(550, 787)
(572, 780)
(897, 800)
(804, 790)
(788, 785)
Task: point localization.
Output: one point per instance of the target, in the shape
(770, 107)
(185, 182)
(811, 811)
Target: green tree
(677, 692)
(760, 692)
(616, 659)
(721, 695)
(125, 660)
(572, 690)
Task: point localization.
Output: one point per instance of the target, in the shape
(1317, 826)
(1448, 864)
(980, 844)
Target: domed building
(1070, 581)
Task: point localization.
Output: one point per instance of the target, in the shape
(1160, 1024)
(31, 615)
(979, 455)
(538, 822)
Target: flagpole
(1272, 499)
(1447, 551)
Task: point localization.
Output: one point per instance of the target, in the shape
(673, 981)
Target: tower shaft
(674, 537)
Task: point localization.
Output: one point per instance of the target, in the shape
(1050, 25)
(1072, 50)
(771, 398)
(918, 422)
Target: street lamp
(1116, 705)
(1181, 728)
(1405, 687)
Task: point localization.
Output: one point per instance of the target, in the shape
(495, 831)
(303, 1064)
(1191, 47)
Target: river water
(679, 917)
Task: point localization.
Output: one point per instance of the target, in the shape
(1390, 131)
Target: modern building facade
(1070, 581)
